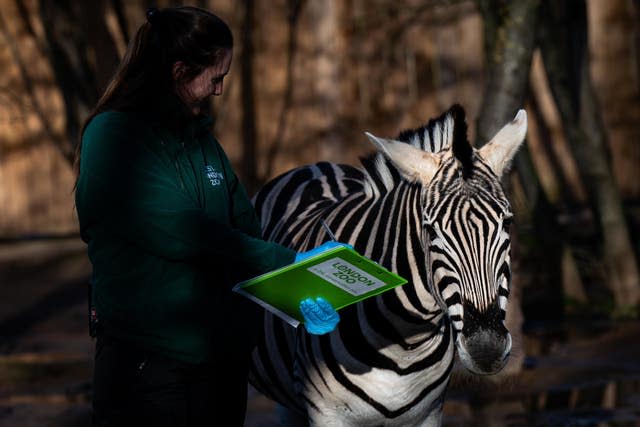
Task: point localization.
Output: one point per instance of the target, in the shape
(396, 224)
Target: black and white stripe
(429, 208)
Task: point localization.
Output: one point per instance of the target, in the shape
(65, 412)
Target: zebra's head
(465, 228)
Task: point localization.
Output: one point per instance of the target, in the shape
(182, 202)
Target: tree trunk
(249, 132)
(509, 42)
(561, 194)
(82, 55)
(121, 17)
(325, 15)
(614, 40)
(563, 40)
(102, 51)
(295, 7)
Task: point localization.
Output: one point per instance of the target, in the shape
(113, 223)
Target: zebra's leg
(291, 418)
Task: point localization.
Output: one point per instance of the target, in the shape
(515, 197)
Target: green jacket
(169, 230)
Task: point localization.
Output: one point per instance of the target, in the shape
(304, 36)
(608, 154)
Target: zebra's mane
(447, 130)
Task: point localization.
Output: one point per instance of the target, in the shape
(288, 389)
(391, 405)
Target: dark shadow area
(15, 326)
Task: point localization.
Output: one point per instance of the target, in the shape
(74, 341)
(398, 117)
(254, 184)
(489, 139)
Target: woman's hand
(319, 316)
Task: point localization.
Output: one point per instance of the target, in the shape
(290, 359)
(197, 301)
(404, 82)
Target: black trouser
(135, 387)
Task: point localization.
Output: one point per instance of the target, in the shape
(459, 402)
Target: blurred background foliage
(310, 77)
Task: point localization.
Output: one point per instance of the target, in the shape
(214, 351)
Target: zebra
(431, 208)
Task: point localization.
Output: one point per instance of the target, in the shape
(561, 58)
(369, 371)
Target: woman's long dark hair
(144, 79)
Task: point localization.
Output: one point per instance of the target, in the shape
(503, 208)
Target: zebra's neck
(386, 227)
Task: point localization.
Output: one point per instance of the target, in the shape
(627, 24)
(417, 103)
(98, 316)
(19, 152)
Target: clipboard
(340, 275)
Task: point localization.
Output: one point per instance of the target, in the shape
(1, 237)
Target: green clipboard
(340, 275)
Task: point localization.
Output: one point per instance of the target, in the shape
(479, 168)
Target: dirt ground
(589, 377)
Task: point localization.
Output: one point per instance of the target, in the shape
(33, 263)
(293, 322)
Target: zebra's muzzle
(484, 344)
(485, 352)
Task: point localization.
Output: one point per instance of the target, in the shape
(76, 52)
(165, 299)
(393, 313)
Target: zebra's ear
(412, 162)
(500, 151)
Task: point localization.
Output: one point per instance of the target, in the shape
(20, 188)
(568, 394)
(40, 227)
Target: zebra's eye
(506, 222)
